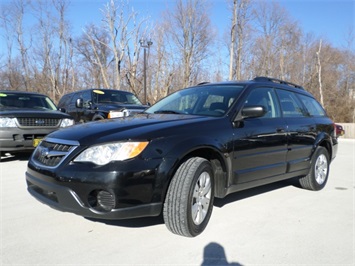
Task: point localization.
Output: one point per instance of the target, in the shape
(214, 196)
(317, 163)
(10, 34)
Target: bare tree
(94, 47)
(6, 23)
(53, 53)
(64, 65)
(12, 17)
(240, 17)
(190, 33)
(319, 70)
(162, 68)
(270, 18)
(125, 31)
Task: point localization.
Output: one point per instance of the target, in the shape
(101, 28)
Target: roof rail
(267, 79)
(203, 83)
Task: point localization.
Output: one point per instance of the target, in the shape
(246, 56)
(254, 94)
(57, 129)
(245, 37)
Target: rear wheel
(189, 200)
(318, 174)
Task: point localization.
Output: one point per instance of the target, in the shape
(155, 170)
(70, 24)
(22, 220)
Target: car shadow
(251, 192)
(20, 156)
(132, 223)
(152, 221)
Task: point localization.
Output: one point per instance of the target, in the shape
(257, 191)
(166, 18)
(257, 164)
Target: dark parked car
(196, 144)
(25, 118)
(97, 104)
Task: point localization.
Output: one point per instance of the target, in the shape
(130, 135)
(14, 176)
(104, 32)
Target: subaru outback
(196, 144)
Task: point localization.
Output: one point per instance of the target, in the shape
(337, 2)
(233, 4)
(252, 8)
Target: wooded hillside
(43, 54)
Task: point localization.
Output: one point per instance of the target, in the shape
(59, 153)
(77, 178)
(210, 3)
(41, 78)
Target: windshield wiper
(167, 112)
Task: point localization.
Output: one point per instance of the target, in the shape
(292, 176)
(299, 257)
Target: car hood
(138, 127)
(28, 112)
(118, 106)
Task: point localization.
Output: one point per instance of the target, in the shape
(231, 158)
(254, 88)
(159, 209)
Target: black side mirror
(79, 103)
(253, 111)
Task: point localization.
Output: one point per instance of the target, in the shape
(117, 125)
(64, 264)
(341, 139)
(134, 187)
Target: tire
(189, 200)
(97, 118)
(318, 174)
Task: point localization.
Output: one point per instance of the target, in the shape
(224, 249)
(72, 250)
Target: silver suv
(25, 118)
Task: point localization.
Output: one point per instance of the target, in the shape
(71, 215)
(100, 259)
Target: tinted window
(17, 100)
(114, 96)
(86, 96)
(201, 100)
(291, 106)
(265, 97)
(65, 100)
(312, 106)
(74, 98)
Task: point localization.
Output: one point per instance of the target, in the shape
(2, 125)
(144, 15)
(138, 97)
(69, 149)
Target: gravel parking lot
(277, 224)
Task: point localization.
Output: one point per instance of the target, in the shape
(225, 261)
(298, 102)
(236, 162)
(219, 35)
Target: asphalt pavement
(278, 224)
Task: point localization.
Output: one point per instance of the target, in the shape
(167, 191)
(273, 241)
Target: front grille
(38, 122)
(51, 154)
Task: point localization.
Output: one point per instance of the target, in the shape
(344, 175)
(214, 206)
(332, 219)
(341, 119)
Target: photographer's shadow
(214, 255)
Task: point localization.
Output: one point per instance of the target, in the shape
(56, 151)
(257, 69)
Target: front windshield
(114, 96)
(27, 101)
(201, 100)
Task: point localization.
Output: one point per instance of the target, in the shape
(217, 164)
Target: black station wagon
(194, 145)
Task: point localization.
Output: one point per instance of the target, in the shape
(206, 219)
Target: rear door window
(291, 106)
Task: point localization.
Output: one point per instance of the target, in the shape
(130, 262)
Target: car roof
(22, 93)
(99, 89)
(267, 81)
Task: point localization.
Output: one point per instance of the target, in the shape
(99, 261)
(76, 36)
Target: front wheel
(189, 200)
(318, 174)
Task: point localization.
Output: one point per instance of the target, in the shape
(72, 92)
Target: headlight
(115, 114)
(103, 154)
(66, 122)
(7, 122)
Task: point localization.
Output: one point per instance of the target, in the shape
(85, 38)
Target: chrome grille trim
(37, 122)
(51, 152)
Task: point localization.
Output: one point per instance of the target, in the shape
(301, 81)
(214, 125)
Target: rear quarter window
(65, 100)
(313, 107)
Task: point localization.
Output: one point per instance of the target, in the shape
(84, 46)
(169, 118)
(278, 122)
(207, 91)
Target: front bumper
(16, 139)
(66, 200)
(126, 194)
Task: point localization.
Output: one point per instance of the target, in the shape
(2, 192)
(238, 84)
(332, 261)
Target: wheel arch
(99, 116)
(218, 162)
(219, 165)
(324, 140)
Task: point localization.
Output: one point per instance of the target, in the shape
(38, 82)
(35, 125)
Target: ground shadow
(20, 156)
(214, 255)
(248, 193)
(132, 223)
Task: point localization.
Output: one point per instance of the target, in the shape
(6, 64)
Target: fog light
(102, 200)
